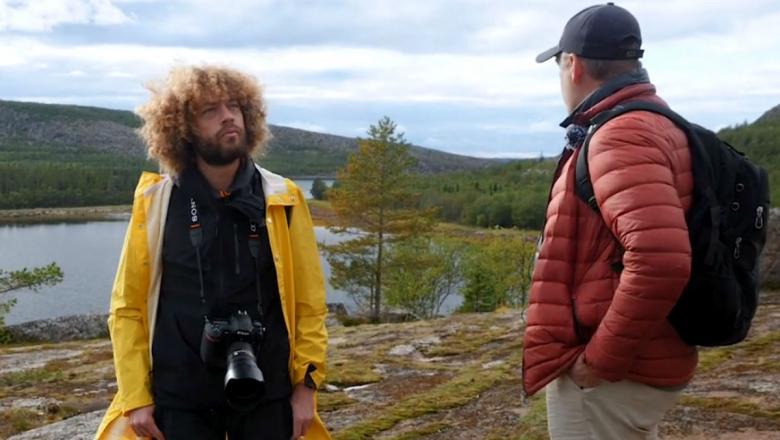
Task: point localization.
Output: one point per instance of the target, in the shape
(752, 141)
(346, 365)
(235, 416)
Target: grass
(463, 388)
(32, 377)
(333, 401)
(755, 349)
(464, 342)
(17, 420)
(732, 405)
(430, 428)
(352, 372)
(533, 425)
(709, 359)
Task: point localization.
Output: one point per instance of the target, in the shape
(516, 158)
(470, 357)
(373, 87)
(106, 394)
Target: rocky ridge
(448, 378)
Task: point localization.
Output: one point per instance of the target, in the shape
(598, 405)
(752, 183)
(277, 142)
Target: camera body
(233, 345)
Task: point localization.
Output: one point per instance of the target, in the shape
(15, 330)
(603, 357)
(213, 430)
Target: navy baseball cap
(604, 32)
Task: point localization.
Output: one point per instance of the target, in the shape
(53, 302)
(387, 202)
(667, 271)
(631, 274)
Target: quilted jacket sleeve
(634, 183)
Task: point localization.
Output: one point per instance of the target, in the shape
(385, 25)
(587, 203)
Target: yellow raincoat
(136, 292)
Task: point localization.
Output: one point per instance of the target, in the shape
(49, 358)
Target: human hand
(302, 403)
(142, 422)
(582, 374)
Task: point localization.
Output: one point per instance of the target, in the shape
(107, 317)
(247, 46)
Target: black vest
(179, 377)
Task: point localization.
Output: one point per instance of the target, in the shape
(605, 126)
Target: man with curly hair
(217, 314)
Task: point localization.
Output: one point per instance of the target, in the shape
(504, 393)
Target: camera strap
(254, 249)
(196, 238)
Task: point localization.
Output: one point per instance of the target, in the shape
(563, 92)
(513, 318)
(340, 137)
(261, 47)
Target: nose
(225, 115)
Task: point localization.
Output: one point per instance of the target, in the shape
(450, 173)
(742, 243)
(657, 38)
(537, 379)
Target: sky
(456, 75)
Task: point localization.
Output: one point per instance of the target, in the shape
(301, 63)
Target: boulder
(80, 427)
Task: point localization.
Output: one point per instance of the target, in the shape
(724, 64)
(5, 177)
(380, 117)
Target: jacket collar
(624, 87)
(276, 188)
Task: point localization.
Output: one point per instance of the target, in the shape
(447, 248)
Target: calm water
(305, 186)
(88, 254)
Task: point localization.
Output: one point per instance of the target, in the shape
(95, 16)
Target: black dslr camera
(234, 344)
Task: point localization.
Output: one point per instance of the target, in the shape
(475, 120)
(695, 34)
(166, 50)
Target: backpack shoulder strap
(584, 186)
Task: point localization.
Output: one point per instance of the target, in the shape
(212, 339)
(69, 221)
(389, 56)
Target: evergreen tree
(25, 279)
(318, 189)
(375, 194)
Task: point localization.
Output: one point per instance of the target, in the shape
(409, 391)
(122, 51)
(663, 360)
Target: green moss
(346, 373)
(457, 392)
(17, 420)
(733, 406)
(533, 425)
(754, 349)
(333, 401)
(32, 377)
(709, 359)
(464, 342)
(762, 345)
(431, 428)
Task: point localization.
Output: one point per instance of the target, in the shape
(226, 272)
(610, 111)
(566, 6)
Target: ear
(576, 69)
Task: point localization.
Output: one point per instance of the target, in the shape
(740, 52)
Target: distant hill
(55, 155)
(772, 116)
(291, 151)
(515, 194)
(760, 141)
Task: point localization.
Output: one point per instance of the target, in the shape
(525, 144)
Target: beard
(218, 152)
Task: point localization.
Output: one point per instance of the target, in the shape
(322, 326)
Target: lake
(306, 184)
(88, 253)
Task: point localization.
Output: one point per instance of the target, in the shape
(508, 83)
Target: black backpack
(727, 228)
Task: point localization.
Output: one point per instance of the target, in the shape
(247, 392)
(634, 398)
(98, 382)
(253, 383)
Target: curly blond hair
(168, 116)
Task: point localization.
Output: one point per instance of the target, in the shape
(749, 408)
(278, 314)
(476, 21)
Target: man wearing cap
(605, 280)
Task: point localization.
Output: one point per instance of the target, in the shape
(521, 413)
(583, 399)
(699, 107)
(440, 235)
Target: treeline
(761, 142)
(512, 195)
(40, 176)
(509, 195)
(296, 160)
(515, 194)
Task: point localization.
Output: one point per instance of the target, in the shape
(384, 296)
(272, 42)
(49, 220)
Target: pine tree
(318, 189)
(375, 194)
(25, 279)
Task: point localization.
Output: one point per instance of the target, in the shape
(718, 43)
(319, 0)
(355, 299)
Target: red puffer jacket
(640, 167)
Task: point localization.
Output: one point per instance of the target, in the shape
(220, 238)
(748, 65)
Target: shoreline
(76, 213)
(321, 214)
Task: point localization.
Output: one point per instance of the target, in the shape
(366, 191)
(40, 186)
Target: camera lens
(244, 382)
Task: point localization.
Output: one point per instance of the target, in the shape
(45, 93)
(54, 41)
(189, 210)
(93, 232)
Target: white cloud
(45, 15)
(291, 74)
(117, 74)
(467, 63)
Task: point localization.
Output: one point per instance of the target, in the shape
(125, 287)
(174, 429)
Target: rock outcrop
(80, 427)
(66, 328)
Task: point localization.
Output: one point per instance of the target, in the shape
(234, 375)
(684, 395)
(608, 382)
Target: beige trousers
(611, 411)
